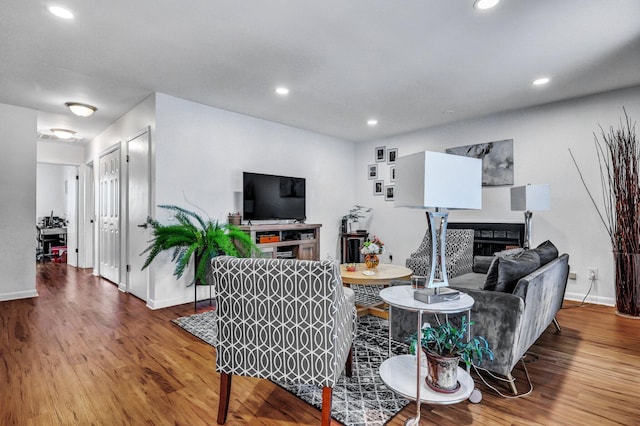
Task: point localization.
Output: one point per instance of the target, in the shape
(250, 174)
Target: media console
(290, 241)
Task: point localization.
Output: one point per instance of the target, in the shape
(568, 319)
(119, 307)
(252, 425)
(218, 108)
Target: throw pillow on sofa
(547, 252)
(511, 270)
(506, 270)
(492, 272)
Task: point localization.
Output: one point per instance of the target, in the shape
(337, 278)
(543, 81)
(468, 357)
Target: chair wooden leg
(327, 393)
(349, 365)
(225, 393)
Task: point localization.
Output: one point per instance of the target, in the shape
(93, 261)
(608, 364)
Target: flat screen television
(269, 197)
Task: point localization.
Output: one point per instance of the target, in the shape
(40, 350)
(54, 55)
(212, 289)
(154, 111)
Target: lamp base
(430, 296)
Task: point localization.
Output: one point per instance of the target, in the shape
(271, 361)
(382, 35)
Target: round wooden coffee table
(382, 276)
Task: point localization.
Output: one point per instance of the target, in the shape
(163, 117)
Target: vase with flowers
(371, 249)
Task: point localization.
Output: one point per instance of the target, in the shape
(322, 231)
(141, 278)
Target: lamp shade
(434, 179)
(531, 198)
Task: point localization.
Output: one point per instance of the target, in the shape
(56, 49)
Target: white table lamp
(529, 198)
(440, 181)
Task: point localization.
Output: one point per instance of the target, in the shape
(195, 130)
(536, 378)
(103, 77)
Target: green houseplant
(444, 346)
(193, 236)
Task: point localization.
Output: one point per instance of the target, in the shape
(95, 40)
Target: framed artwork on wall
(392, 173)
(381, 154)
(372, 171)
(392, 154)
(378, 187)
(497, 160)
(388, 192)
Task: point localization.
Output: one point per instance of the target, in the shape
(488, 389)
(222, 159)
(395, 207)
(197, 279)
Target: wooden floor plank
(85, 353)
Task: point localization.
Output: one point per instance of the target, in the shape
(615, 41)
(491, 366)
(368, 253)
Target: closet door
(109, 217)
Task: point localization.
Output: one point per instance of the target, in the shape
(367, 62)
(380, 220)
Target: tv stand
(286, 241)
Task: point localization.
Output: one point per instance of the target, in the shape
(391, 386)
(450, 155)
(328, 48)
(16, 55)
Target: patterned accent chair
(282, 320)
(458, 252)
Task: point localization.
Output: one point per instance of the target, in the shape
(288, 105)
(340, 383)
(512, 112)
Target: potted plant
(619, 159)
(193, 236)
(444, 346)
(354, 216)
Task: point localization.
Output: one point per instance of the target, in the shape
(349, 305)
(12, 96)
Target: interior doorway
(56, 221)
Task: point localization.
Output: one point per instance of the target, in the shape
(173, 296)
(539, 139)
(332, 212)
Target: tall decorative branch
(618, 154)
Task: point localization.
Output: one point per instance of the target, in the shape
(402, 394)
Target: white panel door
(109, 217)
(139, 208)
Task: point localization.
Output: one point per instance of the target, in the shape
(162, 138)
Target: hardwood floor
(84, 353)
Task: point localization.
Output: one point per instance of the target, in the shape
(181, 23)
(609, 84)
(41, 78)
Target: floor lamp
(439, 181)
(529, 198)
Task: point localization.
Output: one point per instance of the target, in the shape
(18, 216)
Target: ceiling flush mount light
(372, 122)
(81, 110)
(485, 4)
(282, 91)
(541, 81)
(63, 133)
(60, 12)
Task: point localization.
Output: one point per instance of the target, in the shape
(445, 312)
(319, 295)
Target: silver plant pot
(442, 374)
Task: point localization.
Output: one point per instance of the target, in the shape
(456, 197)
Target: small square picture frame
(392, 173)
(378, 187)
(372, 171)
(389, 192)
(392, 155)
(380, 154)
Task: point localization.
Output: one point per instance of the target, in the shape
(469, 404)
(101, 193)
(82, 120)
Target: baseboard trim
(18, 295)
(607, 301)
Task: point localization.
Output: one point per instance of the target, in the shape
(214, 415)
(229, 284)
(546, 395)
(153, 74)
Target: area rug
(363, 399)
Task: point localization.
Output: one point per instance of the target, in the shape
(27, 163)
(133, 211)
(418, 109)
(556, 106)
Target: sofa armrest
(498, 317)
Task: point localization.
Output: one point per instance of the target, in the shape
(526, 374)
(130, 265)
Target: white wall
(60, 153)
(50, 191)
(18, 207)
(201, 152)
(542, 137)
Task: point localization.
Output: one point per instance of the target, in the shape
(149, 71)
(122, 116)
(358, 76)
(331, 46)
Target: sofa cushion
(481, 264)
(492, 272)
(547, 252)
(470, 280)
(511, 270)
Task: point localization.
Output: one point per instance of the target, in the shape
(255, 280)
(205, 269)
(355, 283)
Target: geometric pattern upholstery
(282, 319)
(458, 254)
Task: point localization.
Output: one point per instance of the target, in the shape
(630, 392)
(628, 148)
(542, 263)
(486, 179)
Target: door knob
(144, 225)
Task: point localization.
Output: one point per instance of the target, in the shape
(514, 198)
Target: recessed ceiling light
(81, 110)
(61, 12)
(485, 4)
(63, 133)
(541, 81)
(282, 91)
(372, 122)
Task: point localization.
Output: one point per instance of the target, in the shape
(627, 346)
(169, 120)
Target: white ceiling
(409, 63)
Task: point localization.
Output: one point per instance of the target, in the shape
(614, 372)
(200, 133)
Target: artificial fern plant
(194, 236)
(447, 340)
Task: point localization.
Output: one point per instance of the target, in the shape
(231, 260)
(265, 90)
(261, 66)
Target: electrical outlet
(572, 275)
(592, 273)
(391, 256)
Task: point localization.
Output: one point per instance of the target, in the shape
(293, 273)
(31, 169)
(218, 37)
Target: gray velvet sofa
(513, 317)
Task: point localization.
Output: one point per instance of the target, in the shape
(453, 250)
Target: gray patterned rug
(363, 399)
